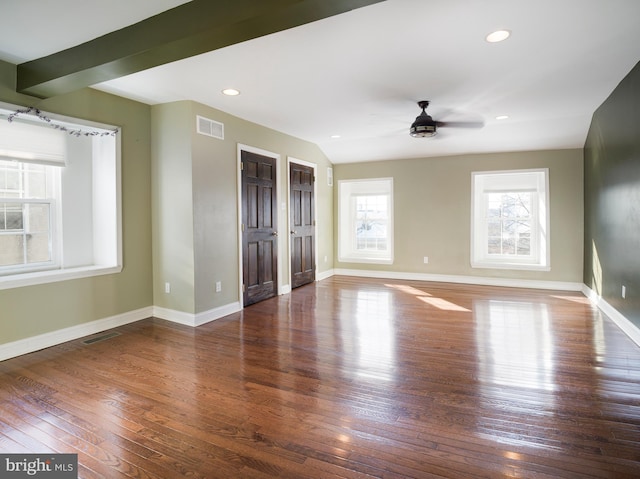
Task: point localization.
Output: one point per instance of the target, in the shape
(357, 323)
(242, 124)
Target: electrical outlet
(218, 286)
(426, 260)
(325, 258)
(624, 291)
(167, 288)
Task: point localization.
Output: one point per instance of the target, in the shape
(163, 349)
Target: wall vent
(210, 127)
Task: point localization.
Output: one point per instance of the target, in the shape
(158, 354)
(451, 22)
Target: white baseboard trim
(46, 340)
(478, 280)
(191, 319)
(217, 313)
(180, 317)
(324, 275)
(621, 321)
(285, 289)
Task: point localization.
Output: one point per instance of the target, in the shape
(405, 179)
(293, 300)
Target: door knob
(293, 232)
(275, 233)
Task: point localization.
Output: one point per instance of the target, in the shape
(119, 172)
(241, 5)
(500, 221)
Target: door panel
(267, 206)
(301, 181)
(259, 237)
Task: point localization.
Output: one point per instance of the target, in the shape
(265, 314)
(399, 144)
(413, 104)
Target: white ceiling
(360, 74)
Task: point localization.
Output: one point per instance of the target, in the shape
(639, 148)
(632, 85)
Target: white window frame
(105, 228)
(534, 181)
(348, 190)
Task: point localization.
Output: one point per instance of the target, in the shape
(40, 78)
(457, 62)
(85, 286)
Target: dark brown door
(260, 228)
(303, 269)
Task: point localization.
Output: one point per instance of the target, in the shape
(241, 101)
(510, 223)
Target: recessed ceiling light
(335, 136)
(231, 92)
(498, 36)
(502, 117)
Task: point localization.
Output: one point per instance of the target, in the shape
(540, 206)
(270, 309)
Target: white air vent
(210, 127)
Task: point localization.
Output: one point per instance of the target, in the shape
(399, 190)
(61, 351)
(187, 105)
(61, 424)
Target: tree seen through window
(509, 223)
(371, 222)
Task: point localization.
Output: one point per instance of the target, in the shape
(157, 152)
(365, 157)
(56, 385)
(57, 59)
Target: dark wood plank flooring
(345, 378)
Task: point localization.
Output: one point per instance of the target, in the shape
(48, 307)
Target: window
(510, 220)
(59, 199)
(28, 199)
(365, 224)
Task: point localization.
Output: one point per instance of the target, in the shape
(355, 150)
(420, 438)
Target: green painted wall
(172, 206)
(432, 212)
(612, 199)
(33, 310)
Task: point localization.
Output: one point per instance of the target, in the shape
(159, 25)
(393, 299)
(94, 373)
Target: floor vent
(210, 127)
(103, 337)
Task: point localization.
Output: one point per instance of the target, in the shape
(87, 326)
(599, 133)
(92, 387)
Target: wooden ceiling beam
(190, 29)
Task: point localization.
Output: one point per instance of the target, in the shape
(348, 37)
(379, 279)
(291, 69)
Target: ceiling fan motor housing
(421, 130)
(424, 125)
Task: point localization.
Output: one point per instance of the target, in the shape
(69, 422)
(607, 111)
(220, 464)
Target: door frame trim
(276, 156)
(291, 159)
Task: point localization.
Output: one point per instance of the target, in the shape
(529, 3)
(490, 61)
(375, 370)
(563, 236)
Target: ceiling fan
(425, 126)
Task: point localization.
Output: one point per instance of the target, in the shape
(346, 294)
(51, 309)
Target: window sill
(53, 276)
(516, 266)
(357, 259)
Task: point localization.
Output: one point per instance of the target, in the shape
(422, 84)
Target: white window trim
(19, 280)
(347, 254)
(542, 258)
(115, 261)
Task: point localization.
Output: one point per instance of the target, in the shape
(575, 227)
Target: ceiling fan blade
(460, 124)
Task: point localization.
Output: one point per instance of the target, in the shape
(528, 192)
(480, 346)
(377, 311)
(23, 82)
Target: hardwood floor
(345, 378)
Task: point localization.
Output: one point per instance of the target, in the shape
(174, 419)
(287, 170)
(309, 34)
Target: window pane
(508, 245)
(494, 246)
(524, 246)
(11, 249)
(508, 203)
(36, 185)
(523, 209)
(38, 215)
(14, 220)
(494, 205)
(523, 227)
(11, 217)
(38, 248)
(494, 228)
(509, 227)
(12, 182)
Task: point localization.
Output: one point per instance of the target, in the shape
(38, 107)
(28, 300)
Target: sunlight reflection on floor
(574, 299)
(374, 342)
(425, 297)
(515, 344)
